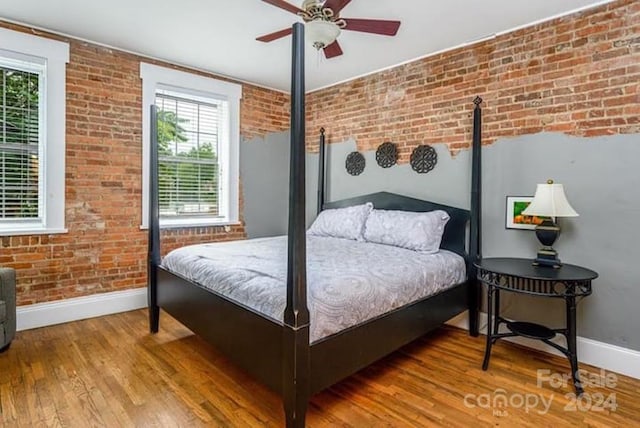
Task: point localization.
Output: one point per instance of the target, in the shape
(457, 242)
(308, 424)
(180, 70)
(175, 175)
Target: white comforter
(348, 282)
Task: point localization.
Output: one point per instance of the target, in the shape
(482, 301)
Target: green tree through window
(188, 171)
(19, 143)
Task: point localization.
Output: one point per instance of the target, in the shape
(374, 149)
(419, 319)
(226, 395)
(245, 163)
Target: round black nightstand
(521, 276)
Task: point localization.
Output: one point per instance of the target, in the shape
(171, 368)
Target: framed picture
(514, 216)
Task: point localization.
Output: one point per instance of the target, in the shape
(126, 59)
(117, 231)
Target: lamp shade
(550, 201)
(322, 33)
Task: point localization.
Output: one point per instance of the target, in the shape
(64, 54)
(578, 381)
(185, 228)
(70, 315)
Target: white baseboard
(599, 354)
(78, 308)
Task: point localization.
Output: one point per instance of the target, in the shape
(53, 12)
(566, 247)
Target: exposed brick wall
(263, 111)
(105, 250)
(579, 75)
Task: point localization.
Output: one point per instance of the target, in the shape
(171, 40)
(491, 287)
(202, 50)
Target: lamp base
(547, 233)
(547, 257)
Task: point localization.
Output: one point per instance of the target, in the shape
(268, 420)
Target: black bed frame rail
(154, 258)
(296, 351)
(475, 228)
(321, 171)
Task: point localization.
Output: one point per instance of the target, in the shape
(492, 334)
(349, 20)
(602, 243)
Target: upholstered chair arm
(8, 298)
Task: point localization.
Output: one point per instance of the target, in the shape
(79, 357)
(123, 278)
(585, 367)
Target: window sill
(226, 224)
(32, 231)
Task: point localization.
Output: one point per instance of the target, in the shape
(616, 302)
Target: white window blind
(21, 130)
(191, 129)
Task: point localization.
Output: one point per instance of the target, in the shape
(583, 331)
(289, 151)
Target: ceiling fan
(323, 24)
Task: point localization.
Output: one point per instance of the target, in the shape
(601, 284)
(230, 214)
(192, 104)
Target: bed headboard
(455, 232)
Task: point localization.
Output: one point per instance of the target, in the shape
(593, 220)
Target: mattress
(348, 282)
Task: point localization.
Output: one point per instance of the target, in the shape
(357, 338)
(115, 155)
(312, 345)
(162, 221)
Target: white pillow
(347, 223)
(419, 231)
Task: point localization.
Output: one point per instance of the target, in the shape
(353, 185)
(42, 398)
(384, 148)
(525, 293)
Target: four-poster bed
(279, 352)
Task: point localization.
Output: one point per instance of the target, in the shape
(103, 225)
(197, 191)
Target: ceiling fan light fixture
(321, 33)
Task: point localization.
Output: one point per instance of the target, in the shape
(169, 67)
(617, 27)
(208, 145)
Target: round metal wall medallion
(423, 159)
(355, 163)
(387, 155)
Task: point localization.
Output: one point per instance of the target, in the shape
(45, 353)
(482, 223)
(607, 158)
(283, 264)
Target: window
(32, 139)
(198, 133)
(188, 137)
(21, 90)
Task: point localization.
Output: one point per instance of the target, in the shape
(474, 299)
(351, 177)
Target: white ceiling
(219, 35)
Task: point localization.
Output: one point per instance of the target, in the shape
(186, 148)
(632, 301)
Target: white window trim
(56, 56)
(154, 77)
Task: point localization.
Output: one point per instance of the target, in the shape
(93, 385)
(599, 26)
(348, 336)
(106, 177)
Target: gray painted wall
(264, 171)
(264, 175)
(600, 176)
(602, 182)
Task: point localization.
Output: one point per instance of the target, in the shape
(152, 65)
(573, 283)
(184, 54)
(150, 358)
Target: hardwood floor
(110, 371)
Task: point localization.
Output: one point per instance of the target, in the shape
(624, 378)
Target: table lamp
(551, 202)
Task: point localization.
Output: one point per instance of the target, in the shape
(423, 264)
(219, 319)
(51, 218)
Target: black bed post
(476, 218)
(321, 171)
(154, 227)
(296, 351)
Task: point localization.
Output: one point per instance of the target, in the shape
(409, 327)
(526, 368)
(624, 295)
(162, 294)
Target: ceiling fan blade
(336, 5)
(284, 5)
(275, 36)
(376, 26)
(333, 50)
